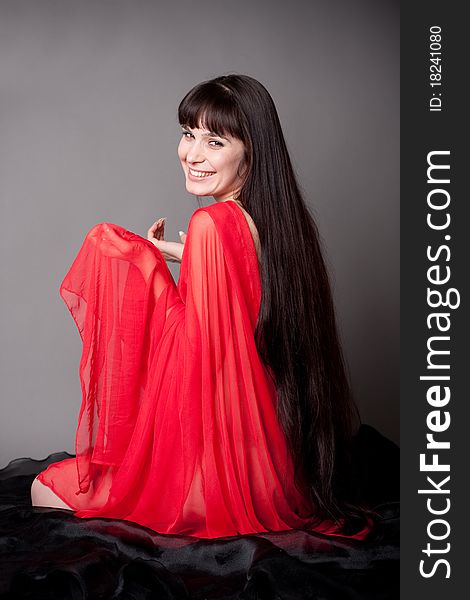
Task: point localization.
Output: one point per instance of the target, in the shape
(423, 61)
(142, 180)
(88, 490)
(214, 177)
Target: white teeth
(200, 174)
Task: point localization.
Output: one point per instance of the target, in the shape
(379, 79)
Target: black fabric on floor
(50, 554)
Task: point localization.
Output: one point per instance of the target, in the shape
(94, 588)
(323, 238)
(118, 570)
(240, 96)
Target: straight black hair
(296, 332)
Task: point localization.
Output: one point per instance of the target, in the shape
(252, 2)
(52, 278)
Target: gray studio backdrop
(88, 133)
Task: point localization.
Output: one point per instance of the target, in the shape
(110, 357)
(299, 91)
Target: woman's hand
(172, 251)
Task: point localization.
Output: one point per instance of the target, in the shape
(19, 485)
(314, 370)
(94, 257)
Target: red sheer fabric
(177, 430)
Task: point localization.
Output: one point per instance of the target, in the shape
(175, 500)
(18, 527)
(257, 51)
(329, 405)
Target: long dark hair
(296, 332)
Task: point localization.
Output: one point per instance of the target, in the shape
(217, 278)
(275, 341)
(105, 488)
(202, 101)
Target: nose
(194, 153)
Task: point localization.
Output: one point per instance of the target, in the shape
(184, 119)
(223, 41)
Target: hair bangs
(211, 107)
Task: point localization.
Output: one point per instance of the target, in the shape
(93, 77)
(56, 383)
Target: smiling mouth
(200, 174)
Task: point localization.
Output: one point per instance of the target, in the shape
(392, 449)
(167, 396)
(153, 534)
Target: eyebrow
(209, 134)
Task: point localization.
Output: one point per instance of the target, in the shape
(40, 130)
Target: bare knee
(41, 495)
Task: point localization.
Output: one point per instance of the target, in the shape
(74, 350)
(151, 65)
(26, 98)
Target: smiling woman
(219, 405)
(211, 163)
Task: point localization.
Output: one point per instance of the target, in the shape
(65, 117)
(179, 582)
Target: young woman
(218, 406)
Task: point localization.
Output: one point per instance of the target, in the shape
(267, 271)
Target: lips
(193, 174)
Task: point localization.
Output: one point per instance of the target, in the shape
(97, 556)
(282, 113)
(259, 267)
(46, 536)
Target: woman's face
(211, 163)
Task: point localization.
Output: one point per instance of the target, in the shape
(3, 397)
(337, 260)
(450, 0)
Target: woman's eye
(188, 135)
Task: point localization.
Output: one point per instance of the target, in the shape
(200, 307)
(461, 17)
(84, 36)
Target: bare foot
(41, 495)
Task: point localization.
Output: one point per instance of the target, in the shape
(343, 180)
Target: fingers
(160, 229)
(156, 229)
(159, 224)
(156, 232)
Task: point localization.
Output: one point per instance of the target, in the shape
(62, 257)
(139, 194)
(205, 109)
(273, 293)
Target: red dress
(177, 430)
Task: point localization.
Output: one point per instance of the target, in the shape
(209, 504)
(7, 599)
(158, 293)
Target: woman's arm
(172, 251)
